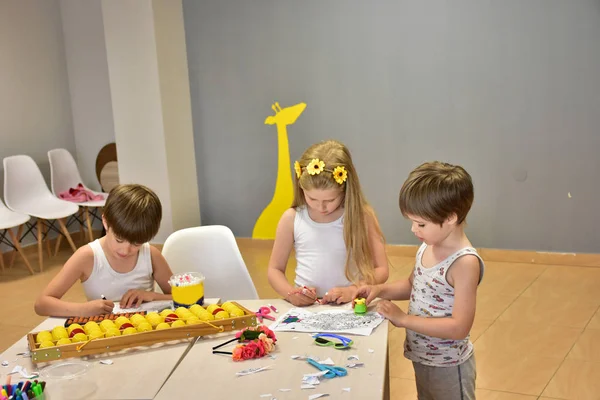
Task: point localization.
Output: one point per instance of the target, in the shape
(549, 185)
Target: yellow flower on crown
(340, 174)
(315, 167)
(297, 169)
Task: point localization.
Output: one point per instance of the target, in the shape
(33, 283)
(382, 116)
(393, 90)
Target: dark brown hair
(436, 190)
(133, 212)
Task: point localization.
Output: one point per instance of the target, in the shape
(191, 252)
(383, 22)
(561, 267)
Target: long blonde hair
(356, 209)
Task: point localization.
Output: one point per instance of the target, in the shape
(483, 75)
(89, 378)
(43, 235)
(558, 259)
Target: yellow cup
(187, 289)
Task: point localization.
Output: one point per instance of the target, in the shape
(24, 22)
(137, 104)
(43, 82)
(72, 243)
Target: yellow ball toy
(46, 343)
(129, 331)
(112, 332)
(43, 336)
(177, 324)
(79, 337)
(63, 341)
(144, 327)
(161, 326)
(59, 332)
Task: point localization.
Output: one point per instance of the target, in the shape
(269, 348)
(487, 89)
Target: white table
(202, 374)
(136, 373)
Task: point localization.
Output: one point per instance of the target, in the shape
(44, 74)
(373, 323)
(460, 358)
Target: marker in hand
(103, 297)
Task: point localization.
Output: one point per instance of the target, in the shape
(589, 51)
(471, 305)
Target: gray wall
(509, 89)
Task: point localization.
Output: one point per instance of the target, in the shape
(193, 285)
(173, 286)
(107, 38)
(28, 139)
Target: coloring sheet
(332, 321)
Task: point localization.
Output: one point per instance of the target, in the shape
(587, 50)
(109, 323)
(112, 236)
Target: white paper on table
(316, 396)
(333, 321)
(329, 361)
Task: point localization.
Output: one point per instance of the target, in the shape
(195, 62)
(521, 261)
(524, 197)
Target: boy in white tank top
(121, 266)
(331, 227)
(442, 288)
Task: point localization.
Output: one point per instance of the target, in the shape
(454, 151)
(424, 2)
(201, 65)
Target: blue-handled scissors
(332, 372)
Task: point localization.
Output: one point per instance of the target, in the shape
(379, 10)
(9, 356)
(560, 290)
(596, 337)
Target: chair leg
(67, 235)
(14, 253)
(89, 223)
(47, 234)
(57, 246)
(17, 244)
(40, 234)
(81, 230)
(2, 261)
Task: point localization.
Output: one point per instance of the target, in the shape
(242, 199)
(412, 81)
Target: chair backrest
(23, 181)
(64, 173)
(212, 251)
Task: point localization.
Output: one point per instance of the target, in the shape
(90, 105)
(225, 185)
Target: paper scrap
(285, 390)
(307, 386)
(5, 363)
(106, 362)
(569, 194)
(371, 351)
(328, 361)
(316, 374)
(355, 365)
(346, 389)
(311, 380)
(295, 337)
(353, 358)
(266, 395)
(23, 372)
(316, 396)
(272, 356)
(251, 371)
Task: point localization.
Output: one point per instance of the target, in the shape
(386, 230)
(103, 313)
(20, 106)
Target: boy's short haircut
(436, 190)
(133, 212)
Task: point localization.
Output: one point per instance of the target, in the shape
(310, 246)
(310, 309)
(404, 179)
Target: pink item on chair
(79, 195)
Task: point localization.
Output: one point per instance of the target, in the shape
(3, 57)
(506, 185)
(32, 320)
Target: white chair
(65, 175)
(212, 251)
(25, 192)
(8, 220)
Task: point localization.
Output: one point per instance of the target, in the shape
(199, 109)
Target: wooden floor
(536, 332)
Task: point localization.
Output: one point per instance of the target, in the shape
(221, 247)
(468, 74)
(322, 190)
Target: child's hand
(301, 297)
(135, 297)
(338, 295)
(391, 312)
(369, 292)
(97, 307)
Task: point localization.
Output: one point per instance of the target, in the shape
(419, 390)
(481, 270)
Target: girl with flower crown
(335, 234)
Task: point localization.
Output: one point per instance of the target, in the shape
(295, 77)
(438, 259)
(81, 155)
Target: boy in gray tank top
(442, 287)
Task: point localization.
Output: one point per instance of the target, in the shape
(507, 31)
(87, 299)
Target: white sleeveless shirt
(320, 253)
(113, 285)
(433, 297)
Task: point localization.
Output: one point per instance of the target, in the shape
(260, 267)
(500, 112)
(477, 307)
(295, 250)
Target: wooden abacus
(99, 318)
(116, 343)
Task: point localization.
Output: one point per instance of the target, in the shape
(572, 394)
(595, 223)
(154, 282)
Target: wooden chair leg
(67, 235)
(47, 232)
(81, 230)
(40, 234)
(89, 223)
(16, 243)
(58, 241)
(14, 253)
(2, 261)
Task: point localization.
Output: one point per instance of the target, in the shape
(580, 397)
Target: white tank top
(320, 253)
(106, 281)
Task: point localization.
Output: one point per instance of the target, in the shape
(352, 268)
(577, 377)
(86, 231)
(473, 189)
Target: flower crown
(260, 342)
(316, 166)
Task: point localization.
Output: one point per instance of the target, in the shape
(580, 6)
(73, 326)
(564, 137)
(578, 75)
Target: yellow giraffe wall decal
(266, 224)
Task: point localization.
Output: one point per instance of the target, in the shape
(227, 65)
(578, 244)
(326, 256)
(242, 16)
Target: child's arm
(161, 273)
(464, 273)
(284, 242)
(50, 303)
(399, 290)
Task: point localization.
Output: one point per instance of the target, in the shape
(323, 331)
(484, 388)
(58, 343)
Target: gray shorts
(446, 383)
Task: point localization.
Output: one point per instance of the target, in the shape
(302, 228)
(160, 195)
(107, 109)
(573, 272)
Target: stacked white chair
(64, 175)
(26, 192)
(8, 220)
